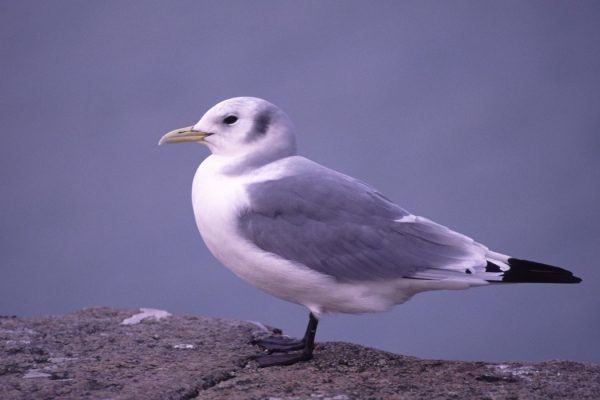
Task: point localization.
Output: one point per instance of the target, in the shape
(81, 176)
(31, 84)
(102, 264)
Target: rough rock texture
(91, 354)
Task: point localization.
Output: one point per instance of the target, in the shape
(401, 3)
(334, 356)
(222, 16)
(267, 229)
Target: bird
(316, 237)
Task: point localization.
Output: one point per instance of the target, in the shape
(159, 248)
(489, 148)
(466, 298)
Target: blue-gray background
(483, 116)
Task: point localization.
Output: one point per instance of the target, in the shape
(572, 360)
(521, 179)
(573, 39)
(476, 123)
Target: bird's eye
(230, 120)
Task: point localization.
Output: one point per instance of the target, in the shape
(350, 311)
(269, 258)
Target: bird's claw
(279, 344)
(271, 360)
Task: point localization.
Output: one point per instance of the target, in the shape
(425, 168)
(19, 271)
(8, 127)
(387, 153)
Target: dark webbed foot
(275, 344)
(290, 351)
(290, 358)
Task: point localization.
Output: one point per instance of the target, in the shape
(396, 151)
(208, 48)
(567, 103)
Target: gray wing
(341, 227)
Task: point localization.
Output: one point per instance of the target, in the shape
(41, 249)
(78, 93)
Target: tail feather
(534, 272)
(500, 268)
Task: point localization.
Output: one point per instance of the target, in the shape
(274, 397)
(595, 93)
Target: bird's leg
(281, 344)
(311, 332)
(286, 347)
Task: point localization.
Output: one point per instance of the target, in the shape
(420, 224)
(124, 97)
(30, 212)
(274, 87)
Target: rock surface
(93, 354)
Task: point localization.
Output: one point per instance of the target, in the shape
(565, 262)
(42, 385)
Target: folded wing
(341, 227)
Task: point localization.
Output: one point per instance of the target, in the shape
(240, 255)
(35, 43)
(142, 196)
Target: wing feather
(341, 227)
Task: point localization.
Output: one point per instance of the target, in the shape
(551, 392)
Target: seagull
(313, 236)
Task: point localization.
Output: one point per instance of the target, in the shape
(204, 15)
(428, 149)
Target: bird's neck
(244, 163)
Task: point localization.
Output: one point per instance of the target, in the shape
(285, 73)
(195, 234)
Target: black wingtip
(534, 272)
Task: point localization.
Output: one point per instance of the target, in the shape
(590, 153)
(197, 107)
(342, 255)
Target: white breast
(218, 199)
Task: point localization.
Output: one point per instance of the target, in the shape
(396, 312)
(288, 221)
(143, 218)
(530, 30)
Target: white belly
(219, 199)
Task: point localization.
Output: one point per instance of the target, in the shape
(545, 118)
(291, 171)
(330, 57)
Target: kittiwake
(316, 237)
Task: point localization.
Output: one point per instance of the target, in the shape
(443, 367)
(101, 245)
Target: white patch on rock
(521, 372)
(184, 346)
(13, 342)
(36, 373)
(260, 326)
(146, 313)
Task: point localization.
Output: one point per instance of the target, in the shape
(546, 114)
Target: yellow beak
(187, 134)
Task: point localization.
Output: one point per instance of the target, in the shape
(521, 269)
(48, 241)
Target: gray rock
(103, 353)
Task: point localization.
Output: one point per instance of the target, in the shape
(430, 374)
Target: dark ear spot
(261, 125)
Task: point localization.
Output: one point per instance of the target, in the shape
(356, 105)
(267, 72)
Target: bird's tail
(505, 269)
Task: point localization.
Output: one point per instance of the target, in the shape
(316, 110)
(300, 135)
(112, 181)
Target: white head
(248, 129)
